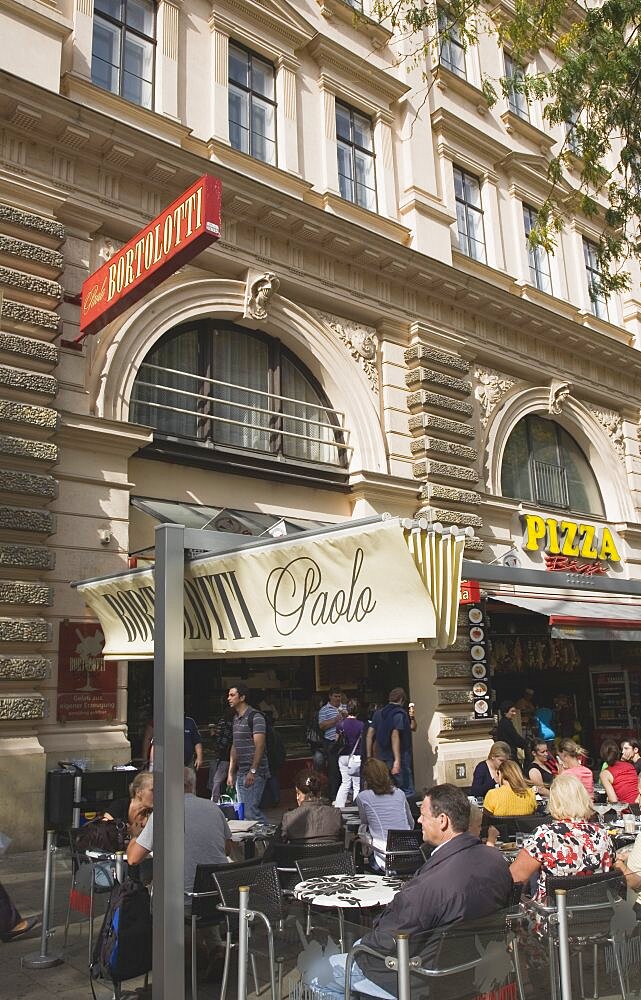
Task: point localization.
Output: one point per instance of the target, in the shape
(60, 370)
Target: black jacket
(463, 880)
(507, 732)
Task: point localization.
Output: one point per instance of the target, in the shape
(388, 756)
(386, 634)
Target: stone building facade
(432, 353)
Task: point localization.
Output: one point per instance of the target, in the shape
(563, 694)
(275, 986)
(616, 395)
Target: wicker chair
(403, 852)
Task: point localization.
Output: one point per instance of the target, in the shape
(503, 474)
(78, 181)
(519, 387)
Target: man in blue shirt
(389, 738)
(193, 744)
(328, 718)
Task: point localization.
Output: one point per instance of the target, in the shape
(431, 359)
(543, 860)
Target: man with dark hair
(329, 716)
(248, 766)
(389, 738)
(636, 754)
(461, 881)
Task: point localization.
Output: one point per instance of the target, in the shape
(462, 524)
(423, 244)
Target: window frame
(465, 174)
(573, 141)
(205, 441)
(514, 96)
(251, 55)
(598, 301)
(535, 253)
(534, 496)
(445, 25)
(123, 30)
(354, 148)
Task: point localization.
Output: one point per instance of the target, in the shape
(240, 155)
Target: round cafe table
(343, 891)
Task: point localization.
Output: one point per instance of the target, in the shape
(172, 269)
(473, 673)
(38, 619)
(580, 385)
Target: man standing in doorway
(248, 766)
(391, 730)
(329, 716)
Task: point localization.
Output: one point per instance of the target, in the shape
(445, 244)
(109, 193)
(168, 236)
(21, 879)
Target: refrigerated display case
(615, 698)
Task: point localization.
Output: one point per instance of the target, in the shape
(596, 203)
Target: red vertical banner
(87, 683)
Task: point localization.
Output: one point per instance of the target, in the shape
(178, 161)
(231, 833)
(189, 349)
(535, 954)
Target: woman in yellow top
(515, 797)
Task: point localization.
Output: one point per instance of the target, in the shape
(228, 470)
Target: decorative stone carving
(259, 292)
(361, 342)
(16, 707)
(490, 389)
(24, 668)
(560, 389)
(107, 249)
(613, 425)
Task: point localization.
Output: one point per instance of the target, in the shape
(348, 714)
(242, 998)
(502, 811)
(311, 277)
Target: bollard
(243, 941)
(44, 960)
(564, 944)
(77, 799)
(120, 866)
(403, 970)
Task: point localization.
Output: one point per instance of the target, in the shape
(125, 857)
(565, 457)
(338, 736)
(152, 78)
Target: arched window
(223, 387)
(543, 464)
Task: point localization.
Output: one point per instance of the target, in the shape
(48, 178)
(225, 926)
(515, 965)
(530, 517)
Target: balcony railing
(550, 483)
(214, 412)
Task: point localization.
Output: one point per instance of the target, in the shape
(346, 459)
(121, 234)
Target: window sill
(364, 217)
(79, 89)
(343, 11)
(182, 452)
(514, 124)
(243, 163)
(445, 79)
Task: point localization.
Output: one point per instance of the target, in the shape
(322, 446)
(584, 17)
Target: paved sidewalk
(23, 877)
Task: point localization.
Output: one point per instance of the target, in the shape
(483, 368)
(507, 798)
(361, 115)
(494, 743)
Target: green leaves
(584, 65)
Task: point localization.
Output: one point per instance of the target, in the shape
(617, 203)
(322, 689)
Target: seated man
(207, 834)
(461, 881)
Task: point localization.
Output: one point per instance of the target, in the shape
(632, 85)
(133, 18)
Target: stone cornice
(239, 17)
(359, 21)
(114, 436)
(384, 489)
(468, 140)
(335, 59)
(42, 16)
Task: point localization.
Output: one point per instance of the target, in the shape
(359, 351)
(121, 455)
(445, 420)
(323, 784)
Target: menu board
(481, 691)
(610, 698)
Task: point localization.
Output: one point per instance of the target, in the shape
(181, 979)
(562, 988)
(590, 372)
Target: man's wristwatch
(252, 770)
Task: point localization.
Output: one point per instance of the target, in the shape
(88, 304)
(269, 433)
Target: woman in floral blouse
(571, 845)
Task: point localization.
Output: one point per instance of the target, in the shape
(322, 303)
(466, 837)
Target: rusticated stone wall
(30, 264)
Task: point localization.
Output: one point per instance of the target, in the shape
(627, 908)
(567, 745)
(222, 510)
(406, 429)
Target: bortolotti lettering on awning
(373, 587)
(179, 233)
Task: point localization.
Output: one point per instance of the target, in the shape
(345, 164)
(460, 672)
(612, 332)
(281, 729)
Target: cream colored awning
(374, 586)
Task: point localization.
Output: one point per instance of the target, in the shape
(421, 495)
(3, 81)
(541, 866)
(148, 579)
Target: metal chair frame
(79, 859)
(204, 916)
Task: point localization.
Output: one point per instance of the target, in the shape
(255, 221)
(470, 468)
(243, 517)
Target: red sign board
(86, 681)
(178, 234)
(470, 592)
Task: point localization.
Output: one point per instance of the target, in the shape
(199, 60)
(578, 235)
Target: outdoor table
(344, 891)
(248, 835)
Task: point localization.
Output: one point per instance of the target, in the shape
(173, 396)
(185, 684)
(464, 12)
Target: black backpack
(124, 946)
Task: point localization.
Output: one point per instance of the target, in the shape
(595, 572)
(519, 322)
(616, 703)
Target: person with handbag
(349, 760)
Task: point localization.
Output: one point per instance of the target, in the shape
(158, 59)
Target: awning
(242, 522)
(382, 585)
(589, 620)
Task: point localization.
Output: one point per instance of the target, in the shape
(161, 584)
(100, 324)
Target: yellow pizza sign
(569, 538)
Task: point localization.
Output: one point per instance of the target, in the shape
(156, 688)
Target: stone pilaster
(444, 445)
(30, 263)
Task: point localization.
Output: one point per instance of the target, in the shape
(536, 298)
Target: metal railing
(257, 419)
(550, 483)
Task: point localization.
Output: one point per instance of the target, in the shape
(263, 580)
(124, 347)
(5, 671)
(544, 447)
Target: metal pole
(77, 799)
(403, 961)
(44, 960)
(120, 866)
(168, 969)
(564, 944)
(243, 940)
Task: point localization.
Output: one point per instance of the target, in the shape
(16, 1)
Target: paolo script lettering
(295, 594)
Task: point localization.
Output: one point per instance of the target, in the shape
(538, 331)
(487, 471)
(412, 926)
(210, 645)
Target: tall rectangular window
(122, 57)
(355, 146)
(469, 215)
(598, 300)
(252, 105)
(538, 258)
(451, 47)
(574, 141)
(514, 75)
